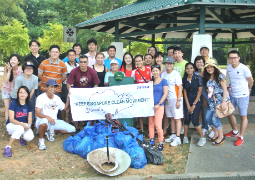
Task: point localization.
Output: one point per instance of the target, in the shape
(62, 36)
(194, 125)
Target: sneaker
(170, 138)
(231, 134)
(211, 134)
(152, 142)
(239, 141)
(176, 142)
(7, 152)
(182, 130)
(201, 142)
(22, 142)
(185, 140)
(204, 131)
(41, 144)
(49, 136)
(160, 147)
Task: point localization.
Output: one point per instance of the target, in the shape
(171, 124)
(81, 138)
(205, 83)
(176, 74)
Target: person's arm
(40, 73)
(96, 85)
(11, 114)
(68, 87)
(29, 119)
(165, 92)
(64, 77)
(225, 91)
(186, 99)
(106, 79)
(178, 104)
(40, 115)
(197, 98)
(250, 82)
(67, 102)
(31, 93)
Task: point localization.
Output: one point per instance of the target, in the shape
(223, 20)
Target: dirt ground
(28, 162)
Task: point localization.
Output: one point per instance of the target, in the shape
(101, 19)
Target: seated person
(47, 106)
(114, 65)
(20, 119)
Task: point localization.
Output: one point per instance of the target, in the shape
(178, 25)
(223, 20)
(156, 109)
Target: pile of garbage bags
(94, 137)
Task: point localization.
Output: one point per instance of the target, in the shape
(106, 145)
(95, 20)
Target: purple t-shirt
(81, 79)
(158, 91)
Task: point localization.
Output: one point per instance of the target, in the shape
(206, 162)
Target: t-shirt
(107, 63)
(49, 106)
(180, 67)
(107, 75)
(238, 81)
(158, 91)
(146, 74)
(173, 79)
(52, 71)
(20, 112)
(81, 79)
(32, 83)
(127, 73)
(66, 60)
(69, 69)
(92, 60)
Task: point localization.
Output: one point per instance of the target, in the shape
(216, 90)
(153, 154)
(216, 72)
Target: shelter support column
(153, 40)
(116, 31)
(202, 20)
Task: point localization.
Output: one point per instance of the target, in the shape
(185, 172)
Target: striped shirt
(52, 71)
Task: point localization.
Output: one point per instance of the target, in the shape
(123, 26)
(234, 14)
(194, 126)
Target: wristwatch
(194, 104)
(178, 100)
(28, 125)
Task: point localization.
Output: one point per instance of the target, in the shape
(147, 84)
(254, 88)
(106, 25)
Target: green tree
(14, 38)
(53, 36)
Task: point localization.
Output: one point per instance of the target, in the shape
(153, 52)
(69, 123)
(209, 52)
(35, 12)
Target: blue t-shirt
(158, 91)
(66, 59)
(108, 61)
(20, 112)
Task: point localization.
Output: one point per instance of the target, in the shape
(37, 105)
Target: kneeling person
(47, 106)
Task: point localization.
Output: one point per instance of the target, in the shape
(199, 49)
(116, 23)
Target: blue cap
(51, 82)
(169, 60)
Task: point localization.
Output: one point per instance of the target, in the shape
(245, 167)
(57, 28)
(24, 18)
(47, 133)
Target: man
(92, 46)
(241, 82)
(180, 63)
(204, 51)
(170, 51)
(111, 51)
(47, 106)
(71, 64)
(77, 47)
(148, 58)
(82, 77)
(36, 59)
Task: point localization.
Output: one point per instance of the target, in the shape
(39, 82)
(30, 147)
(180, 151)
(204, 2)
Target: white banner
(126, 101)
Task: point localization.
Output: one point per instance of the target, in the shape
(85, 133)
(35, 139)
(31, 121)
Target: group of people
(183, 91)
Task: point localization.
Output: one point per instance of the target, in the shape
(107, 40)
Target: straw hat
(211, 62)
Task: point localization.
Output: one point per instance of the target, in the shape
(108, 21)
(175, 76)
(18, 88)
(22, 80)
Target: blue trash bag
(101, 139)
(84, 147)
(101, 128)
(123, 139)
(138, 158)
(140, 136)
(133, 130)
(131, 145)
(70, 143)
(88, 130)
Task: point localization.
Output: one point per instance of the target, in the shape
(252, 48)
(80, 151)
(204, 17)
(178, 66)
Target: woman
(159, 57)
(100, 68)
(128, 64)
(160, 91)
(216, 84)
(152, 51)
(20, 120)
(192, 90)
(11, 71)
(148, 60)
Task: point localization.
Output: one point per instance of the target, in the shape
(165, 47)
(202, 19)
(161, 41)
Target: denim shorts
(5, 96)
(242, 104)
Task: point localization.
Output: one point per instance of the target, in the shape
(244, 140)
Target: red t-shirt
(81, 79)
(127, 73)
(146, 74)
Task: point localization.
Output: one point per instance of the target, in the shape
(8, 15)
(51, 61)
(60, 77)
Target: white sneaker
(176, 142)
(201, 142)
(204, 131)
(182, 130)
(41, 144)
(211, 134)
(170, 138)
(49, 136)
(185, 140)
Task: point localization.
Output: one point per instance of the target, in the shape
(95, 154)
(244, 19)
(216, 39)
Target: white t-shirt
(238, 81)
(49, 106)
(174, 78)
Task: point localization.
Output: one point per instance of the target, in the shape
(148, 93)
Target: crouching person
(20, 120)
(47, 106)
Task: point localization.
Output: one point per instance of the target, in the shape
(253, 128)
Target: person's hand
(156, 107)
(25, 126)
(205, 104)
(192, 108)
(39, 84)
(68, 96)
(223, 105)
(51, 120)
(178, 105)
(8, 67)
(189, 110)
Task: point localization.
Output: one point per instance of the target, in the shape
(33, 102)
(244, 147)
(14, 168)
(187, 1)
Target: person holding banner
(160, 91)
(114, 68)
(141, 75)
(47, 106)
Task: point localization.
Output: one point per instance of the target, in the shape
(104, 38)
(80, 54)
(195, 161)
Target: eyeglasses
(83, 61)
(233, 58)
(152, 50)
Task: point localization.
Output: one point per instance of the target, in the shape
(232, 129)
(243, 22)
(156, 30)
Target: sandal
(219, 143)
(213, 140)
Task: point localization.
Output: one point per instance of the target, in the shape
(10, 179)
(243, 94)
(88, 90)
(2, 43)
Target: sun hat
(211, 62)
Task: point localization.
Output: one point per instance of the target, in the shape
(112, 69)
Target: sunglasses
(155, 66)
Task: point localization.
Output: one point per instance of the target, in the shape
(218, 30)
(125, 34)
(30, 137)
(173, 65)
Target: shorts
(242, 104)
(59, 125)
(5, 96)
(171, 110)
